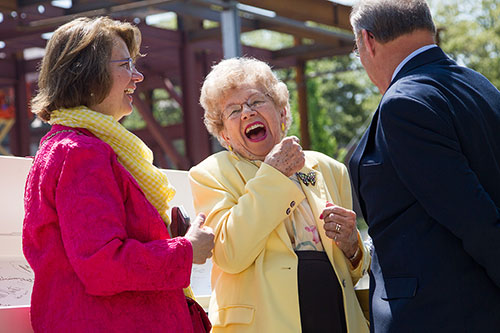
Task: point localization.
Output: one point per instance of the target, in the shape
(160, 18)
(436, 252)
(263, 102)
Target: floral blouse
(301, 226)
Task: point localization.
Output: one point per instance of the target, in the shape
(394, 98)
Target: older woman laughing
(287, 253)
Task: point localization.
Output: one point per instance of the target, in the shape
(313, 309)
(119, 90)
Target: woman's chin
(256, 153)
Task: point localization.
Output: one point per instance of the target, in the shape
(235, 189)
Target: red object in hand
(180, 222)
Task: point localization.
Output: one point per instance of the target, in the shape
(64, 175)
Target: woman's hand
(201, 238)
(340, 225)
(287, 156)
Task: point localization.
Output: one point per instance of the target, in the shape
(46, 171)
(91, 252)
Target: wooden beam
(300, 80)
(306, 52)
(156, 130)
(20, 137)
(317, 36)
(169, 86)
(106, 11)
(197, 138)
(8, 5)
(320, 11)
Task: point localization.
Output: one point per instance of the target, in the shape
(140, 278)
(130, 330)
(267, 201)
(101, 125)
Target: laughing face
(118, 103)
(252, 123)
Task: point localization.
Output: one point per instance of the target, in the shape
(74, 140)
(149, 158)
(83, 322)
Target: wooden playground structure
(177, 59)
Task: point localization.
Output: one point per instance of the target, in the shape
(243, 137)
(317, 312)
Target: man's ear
(369, 42)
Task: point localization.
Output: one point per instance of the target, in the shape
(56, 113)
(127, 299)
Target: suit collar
(248, 169)
(311, 164)
(429, 56)
(251, 167)
(411, 56)
(432, 55)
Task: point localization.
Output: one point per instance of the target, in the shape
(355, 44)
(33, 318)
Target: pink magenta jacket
(101, 254)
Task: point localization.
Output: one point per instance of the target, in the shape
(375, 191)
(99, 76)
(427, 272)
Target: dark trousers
(320, 295)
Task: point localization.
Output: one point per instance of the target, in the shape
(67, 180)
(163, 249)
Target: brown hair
(75, 69)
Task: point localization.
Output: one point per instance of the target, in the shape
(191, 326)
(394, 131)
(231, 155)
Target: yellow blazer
(254, 277)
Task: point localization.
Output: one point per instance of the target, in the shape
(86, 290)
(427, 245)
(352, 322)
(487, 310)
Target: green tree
(340, 99)
(471, 34)
(166, 111)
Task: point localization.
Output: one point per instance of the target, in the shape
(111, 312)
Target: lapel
(317, 196)
(358, 153)
(429, 56)
(247, 171)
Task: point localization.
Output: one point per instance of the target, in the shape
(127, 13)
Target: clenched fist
(287, 156)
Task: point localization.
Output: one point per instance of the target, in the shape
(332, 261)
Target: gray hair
(390, 19)
(235, 73)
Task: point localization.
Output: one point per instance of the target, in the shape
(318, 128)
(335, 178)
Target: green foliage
(340, 100)
(266, 39)
(343, 100)
(165, 110)
(341, 97)
(471, 34)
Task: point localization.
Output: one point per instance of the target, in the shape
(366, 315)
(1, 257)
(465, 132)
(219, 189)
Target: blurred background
(308, 42)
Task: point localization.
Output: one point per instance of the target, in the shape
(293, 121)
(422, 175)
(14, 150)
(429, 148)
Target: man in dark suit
(427, 176)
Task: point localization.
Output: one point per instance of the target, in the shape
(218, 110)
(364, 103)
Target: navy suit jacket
(427, 176)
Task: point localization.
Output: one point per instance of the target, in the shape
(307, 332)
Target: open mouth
(256, 132)
(129, 92)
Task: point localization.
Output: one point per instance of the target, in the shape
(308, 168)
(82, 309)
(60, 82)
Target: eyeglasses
(128, 62)
(355, 49)
(255, 103)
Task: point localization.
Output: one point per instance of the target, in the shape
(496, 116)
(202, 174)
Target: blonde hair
(75, 69)
(232, 74)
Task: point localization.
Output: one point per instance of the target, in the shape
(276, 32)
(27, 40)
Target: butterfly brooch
(307, 178)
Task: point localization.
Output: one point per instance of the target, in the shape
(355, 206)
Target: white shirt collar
(412, 55)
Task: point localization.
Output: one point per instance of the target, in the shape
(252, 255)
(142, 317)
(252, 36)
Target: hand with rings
(340, 225)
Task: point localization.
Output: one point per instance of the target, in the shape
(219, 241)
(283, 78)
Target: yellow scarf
(132, 153)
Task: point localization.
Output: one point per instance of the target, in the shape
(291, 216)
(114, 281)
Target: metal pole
(231, 28)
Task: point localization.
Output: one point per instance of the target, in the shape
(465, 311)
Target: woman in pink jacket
(95, 230)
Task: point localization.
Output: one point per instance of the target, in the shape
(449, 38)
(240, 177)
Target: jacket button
(292, 204)
(343, 283)
(288, 210)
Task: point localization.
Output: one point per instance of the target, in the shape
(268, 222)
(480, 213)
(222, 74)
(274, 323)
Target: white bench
(16, 277)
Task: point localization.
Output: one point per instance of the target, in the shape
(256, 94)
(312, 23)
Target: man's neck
(394, 52)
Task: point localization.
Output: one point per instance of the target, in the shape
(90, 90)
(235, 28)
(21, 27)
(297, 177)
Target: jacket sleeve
(242, 215)
(92, 218)
(425, 151)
